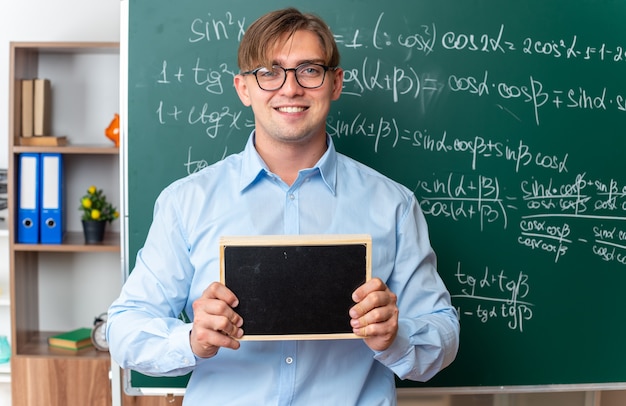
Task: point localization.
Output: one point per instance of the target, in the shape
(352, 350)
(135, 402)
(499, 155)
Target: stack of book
(72, 340)
(36, 113)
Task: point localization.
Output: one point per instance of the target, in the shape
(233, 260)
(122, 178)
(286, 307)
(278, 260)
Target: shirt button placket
(292, 222)
(287, 379)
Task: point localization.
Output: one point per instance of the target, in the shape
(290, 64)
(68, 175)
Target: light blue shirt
(240, 196)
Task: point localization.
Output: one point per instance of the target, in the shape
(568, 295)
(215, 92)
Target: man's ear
(241, 86)
(337, 83)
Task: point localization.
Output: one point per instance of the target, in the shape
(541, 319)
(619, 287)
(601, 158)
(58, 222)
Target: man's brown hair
(263, 35)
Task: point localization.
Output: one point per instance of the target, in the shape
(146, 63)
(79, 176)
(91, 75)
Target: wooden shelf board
(68, 47)
(38, 347)
(74, 241)
(71, 149)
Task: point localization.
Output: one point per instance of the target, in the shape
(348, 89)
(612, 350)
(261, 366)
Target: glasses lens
(270, 79)
(310, 75)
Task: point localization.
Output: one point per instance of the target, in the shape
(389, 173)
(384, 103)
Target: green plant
(95, 207)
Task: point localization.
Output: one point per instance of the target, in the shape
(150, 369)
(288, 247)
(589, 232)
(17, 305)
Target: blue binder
(51, 221)
(28, 199)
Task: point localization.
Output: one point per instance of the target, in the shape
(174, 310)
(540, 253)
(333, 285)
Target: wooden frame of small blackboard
(295, 287)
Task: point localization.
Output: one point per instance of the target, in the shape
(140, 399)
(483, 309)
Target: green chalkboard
(507, 119)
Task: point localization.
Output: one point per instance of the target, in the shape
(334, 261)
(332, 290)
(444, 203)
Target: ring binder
(51, 216)
(28, 199)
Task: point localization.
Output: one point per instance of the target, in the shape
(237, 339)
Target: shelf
(69, 47)
(71, 149)
(38, 346)
(74, 241)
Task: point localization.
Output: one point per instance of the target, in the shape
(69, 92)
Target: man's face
(292, 114)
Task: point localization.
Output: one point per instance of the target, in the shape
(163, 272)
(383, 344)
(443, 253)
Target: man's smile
(291, 109)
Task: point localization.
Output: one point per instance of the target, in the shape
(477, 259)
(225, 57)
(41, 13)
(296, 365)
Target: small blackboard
(296, 286)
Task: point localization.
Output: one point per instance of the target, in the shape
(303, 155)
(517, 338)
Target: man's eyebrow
(302, 62)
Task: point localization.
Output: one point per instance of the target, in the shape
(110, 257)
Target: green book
(72, 340)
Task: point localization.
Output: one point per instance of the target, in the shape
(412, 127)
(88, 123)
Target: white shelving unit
(5, 372)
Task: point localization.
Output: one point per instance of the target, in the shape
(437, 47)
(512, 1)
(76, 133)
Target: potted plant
(96, 213)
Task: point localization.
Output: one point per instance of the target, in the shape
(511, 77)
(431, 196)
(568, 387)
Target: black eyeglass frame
(295, 73)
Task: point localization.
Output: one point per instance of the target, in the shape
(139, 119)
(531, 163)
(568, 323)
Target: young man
(288, 180)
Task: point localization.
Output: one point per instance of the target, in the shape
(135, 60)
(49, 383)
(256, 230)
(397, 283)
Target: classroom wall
(50, 20)
(65, 21)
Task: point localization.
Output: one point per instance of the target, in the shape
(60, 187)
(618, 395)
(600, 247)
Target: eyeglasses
(308, 76)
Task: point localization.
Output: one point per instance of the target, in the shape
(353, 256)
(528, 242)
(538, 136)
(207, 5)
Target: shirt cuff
(181, 346)
(398, 350)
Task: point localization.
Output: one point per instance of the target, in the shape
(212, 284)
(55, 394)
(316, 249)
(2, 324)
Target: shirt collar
(253, 167)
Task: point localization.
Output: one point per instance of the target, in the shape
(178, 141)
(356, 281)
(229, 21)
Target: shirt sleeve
(144, 330)
(428, 332)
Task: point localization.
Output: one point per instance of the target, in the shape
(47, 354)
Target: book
(46, 141)
(72, 340)
(41, 107)
(28, 89)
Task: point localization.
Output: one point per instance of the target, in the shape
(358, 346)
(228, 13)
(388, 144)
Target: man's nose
(291, 82)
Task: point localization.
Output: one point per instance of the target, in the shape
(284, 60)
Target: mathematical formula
(381, 33)
(406, 83)
(491, 296)
(543, 197)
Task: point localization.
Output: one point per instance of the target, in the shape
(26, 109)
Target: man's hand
(375, 314)
(215, 323)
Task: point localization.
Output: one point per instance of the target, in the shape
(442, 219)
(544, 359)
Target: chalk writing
(490, 296)
(425, 40)
(549, 217)
(220, 28)
(464, 197)
(210, 121)
(494, 39)
(553, 208)
(477, 42)
(389, 129)
(194, 166)
(213, 79)
(540, 235)
(568, 49)
(610, 243)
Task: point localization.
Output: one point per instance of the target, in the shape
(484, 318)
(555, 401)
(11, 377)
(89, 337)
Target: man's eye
(267, 73)
(310, 70)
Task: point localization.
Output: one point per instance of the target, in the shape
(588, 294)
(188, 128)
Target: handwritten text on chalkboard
(564, 210)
